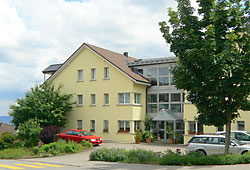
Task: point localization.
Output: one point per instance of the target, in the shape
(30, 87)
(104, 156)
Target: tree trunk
(228, 132)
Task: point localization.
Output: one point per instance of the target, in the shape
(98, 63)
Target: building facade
(115, 92)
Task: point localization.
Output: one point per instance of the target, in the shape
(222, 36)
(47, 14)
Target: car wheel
(202, 152)
(244, 152)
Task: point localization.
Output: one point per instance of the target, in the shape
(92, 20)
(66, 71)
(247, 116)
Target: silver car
(242, 136)
(214, 144)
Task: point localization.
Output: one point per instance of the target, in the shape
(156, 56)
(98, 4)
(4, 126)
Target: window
(241, 125)
(163, 106)
(163, 71)
(137, 98)
(152, 72)
(164, 97)
(80, 75)
(106, 73)
(175, 97)
(93, 74)
(106, 99)
(79, 124)
(152, 108)
(92, 123)
(152, 98)
(79, 100)
(175, 107)
(93, 99)
(124, 126)
(124, 98)
(137, 125)
(163, 81)
(140, 71)
(195, 127)
(106, 126)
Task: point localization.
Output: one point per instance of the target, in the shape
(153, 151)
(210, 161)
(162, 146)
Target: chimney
(125, 54)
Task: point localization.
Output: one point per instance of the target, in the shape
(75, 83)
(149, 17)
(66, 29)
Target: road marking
(10, 167)
(31, 166)
(58, 166)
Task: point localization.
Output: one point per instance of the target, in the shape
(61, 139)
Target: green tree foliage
(29, 132)
(7, 140)
(213, 50)
(45, 103)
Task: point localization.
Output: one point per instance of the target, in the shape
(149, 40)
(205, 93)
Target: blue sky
(35, 34)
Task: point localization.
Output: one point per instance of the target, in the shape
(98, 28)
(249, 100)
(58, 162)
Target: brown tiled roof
(7, 128)
(119, 61)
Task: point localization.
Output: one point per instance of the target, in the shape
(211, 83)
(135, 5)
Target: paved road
(80, 160)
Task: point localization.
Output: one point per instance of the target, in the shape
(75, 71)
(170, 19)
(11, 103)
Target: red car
(79, 135)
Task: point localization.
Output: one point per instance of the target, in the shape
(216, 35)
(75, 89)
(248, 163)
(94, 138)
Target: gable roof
(52, 68)
(117, 60)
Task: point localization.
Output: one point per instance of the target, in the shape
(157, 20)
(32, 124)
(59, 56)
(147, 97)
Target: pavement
(81, 159)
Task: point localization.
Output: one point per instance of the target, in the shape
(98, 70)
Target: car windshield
(86, 133)
(236, 141)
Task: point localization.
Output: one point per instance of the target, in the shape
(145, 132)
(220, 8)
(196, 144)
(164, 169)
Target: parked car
(79, 135)
(214, 144)
(242, 136)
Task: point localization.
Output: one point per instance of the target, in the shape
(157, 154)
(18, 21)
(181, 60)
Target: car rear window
(198, 140)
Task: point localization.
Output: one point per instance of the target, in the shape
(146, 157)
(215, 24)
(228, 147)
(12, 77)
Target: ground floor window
(79, 124)
(106, 126)
(92, 124)
(137, 125)
(124, 126)
(241, 125)
(195, 127)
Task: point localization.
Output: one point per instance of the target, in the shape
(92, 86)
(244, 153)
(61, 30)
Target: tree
(29, 132)
(45, 103)
(213, 51)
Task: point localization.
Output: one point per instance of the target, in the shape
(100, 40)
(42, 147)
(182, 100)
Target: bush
(29, 132)
(141, 156)
(109, 155)
(87, 143)
(48, 134)
(12, 153)
(7, 140)
(58, 147)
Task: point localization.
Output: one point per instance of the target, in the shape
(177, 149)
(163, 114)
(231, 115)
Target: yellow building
(110, 97)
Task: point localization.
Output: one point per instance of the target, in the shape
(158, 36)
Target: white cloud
(35, 34)
(4, 107)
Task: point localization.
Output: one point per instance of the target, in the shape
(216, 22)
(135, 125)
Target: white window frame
(79, 124)
(92, 125)
(80, 75)
(79, 100)
(93, 74)
(123, 123)
(106, 126)
(93, 99)
(137, 124)
(106, 73)
(125, 97)
(137, 98)
(106, 99)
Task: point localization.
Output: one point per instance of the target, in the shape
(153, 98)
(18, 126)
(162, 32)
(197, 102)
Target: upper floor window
(175, 97)
(152, 98)
(80, 75)
(124, 98)
(106, 72)
(106, 99)
(79, 100)
(152, 72)
(93, 74)
(137, 98)
(93, 99)
(163, 71)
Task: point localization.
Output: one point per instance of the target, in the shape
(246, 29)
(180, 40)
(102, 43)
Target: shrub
(58, 147)
(29, 132)
(7, 140)
(87, 143)
(12, 153)
(48, 134)
(141, 156)
(109, 155)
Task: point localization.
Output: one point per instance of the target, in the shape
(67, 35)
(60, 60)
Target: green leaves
(45, 103)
